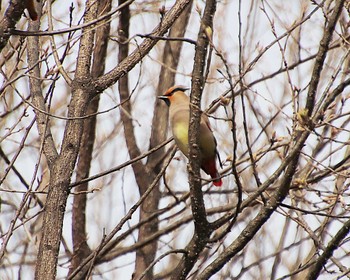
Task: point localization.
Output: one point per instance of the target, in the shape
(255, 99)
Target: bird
(179, 113)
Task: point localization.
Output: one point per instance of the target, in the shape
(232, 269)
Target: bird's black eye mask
(165, 99)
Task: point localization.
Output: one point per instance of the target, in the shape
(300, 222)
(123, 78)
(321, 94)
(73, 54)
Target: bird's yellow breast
(180, 132)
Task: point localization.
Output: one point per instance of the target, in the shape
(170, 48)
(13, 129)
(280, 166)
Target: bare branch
(119, 71)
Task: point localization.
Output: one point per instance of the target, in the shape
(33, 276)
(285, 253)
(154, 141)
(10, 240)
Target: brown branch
(254, 61)
(119, 167)
(255, 225)
(80, 247)
(202, 228)
(62, 169)
(12, 162)
(83, 26)
(283, 187)
(171, 37)
(180, 221)
(12, 15)
(145, 255)
(175, 251)
(321, 56)
(316, 268)
(170, 60)
(315, 178)
(126, 108)
(127, 64)
(81, 270)
(38, 100)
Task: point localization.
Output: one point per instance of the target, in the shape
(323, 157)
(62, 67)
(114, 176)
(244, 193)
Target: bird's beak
(165, 99)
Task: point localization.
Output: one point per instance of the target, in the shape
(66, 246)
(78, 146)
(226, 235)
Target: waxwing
(179, 114)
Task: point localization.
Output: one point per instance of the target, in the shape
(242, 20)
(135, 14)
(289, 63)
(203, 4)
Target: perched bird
(179, 110)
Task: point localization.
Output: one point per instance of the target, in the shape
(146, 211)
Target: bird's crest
(174, 89)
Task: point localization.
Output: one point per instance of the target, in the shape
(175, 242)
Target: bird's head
(174, 93)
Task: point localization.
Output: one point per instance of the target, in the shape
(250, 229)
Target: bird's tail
(217, 180)
(209, 167)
